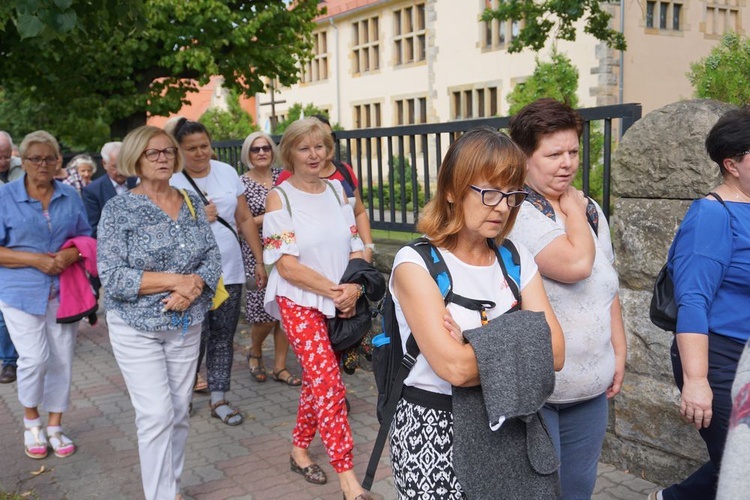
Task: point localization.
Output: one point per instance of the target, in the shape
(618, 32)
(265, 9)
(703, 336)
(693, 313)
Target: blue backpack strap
(510, 263)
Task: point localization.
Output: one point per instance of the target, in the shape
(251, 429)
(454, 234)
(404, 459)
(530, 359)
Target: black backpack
(391, 365)
(663, 310)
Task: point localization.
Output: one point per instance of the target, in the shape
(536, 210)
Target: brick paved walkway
(250, 461)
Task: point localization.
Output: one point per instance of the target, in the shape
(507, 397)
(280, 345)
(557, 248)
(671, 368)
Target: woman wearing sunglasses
(569, 237)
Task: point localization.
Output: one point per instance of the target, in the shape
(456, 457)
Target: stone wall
(659, 167)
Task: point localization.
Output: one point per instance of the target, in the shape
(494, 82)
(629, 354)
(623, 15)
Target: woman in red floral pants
(309, 235)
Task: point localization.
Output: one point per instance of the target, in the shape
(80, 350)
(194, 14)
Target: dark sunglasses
(258, 149)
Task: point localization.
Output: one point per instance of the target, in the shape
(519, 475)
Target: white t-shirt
(475, 282)
(583, 309)
(222, 186)
(321, 232)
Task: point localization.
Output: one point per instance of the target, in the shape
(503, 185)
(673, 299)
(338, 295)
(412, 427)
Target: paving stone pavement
(250, 461)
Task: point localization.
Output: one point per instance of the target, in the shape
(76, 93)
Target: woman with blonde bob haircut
(475, 206)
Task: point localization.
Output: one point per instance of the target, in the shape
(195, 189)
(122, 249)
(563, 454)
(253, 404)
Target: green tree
(724, 74)
(229, 124)
(295, 112)
(557, 19)
(118, 69)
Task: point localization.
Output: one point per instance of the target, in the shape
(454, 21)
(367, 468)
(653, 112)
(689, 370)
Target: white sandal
(37, 439)
(61, 445)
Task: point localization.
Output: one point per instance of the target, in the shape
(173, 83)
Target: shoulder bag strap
(335, 193)
(286, 198)
(206, 202)
(188, 202)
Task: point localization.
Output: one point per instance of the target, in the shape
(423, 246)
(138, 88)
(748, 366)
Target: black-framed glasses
(493, 197)
(38, 160)
(258, 149)
(153, 154)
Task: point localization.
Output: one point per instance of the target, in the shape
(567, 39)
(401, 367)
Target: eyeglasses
(38, 160)
(153, 154)
(257, 149)
(493, 197)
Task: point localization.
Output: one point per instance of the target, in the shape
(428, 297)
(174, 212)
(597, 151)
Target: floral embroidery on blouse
(353, 230)
(275, 241)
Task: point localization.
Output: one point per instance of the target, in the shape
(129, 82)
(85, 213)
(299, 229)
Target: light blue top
(136, 236)
(24, 227)
(710, 265)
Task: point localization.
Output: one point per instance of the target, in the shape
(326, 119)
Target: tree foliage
(724, 74)
(116, 69)
(557, 78)
(230, 124)
(543, 19)
(295, 112)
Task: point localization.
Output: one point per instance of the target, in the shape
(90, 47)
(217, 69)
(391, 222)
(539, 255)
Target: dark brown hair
(542, 117)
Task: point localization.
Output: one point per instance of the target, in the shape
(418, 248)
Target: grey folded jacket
(516, 369)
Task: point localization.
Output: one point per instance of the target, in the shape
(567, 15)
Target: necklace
(266, 183)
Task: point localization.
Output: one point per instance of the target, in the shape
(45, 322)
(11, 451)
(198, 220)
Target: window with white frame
(664, 15)
(316, 69)
(498, 34)
(366, 45)
(722, 16)
(474, 102)
(409, 34)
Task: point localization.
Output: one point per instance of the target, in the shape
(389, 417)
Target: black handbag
(663, 311)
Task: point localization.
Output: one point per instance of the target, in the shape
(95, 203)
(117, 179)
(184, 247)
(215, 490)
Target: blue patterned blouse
(136, 236)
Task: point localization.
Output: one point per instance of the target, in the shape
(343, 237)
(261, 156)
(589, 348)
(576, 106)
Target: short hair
(81, 160)
(729, 137)
(5, 134)
(481, 154)
(249, 140)
(38, 137)
(299, 130)
(540, 118)
(108, 150)
(185, 127)
(322, 118)
(135, 144)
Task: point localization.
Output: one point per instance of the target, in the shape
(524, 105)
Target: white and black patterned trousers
(422, 453)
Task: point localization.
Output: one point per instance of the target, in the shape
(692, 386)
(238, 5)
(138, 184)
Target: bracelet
(360, 290)
(371, 246)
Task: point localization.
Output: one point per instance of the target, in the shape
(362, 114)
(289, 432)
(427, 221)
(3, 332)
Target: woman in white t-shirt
(309, 235)
(223, 193)
(477, 199)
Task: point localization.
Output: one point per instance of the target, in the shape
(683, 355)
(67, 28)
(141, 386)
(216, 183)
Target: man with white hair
(10, 166)
(10, 169)
(100, 191)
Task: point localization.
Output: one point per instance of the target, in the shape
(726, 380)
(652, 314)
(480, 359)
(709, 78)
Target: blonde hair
(135, 144)
(481, 154)
(38, 137)
(249, 140)
(299, 130)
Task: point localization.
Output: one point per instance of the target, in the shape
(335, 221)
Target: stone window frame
(410, 34)
(410, 109)
(480, 100)
(366, 45)
(367, 114)
(490, 33)
(731, 10)
(660, 18)
(316, 68)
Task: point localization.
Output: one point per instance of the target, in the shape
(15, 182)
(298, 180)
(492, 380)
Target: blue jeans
(8, 354)
(723, 355)
(577, 431)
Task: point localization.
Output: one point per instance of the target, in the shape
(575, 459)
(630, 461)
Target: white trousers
(159, 371)
(45, 356)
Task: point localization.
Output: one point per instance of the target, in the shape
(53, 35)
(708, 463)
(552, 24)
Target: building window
(479, 102)
(411, 111)
(367, 115)
(409, 40)
(316, 69)
(669, 15)
(366, 45)
(498, 34)
(722, 16)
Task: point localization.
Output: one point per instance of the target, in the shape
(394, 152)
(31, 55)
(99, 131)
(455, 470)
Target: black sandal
(258, 372)
(312, 473)
(291, 380)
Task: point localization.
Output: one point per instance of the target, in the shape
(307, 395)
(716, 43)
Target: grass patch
(381, 234)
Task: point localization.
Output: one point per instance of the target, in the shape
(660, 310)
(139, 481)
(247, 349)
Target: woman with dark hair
(709, 262)
(260, 155)
(569, 237)
(309, 236)
(473, 210)
(218, 186)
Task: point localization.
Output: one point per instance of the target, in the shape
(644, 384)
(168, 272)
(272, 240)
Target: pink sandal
(61, 445)
(36, 449)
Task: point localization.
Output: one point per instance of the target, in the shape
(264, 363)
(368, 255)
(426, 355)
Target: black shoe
(8, 374)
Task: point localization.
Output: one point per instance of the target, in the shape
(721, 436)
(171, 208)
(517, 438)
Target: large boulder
(663, 154)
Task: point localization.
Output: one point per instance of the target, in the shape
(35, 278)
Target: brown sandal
(290, 380)
(258, 372)
(312, 473)
(235, 412)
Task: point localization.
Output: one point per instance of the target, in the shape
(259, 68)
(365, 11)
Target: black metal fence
(397, 166)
